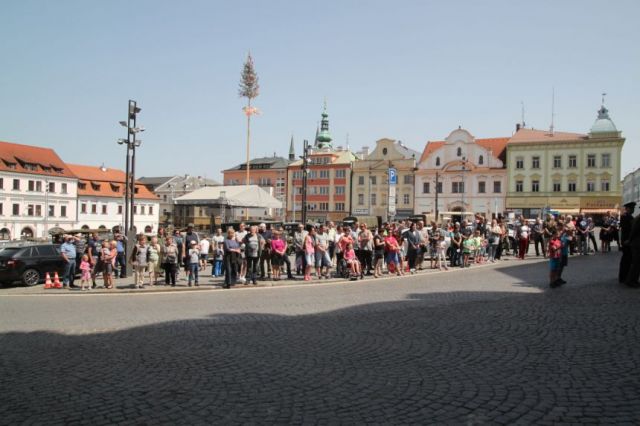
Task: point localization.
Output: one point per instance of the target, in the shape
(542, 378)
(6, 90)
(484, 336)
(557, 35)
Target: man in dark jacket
(626, 220)
(633, 242)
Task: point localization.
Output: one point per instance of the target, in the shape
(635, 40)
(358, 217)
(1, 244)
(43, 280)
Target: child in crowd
(441, 248)
(352, 260)
(194, 262)
(478, 253)
(107, 264)
(468, 246)
(85, 268)
(555, 256)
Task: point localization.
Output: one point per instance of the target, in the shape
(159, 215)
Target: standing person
(309, 252)
(413, 245)
(68, 251)
(121, 261)
(254, 244)
(139, 260)
(93, 251)
(194, 262)
(433, 239)
(583, 235)
(170, 258)
(548, 229)
(204, 253)
(494, 239)
(468, 245)
(107, 256)
(81, 248)
(189, 236)
(565, 239)
(591, 227)
(218, 250)
(393, 252)
(537, 237)
(378, 253)
(278, 253)
(85, 270)
(441, 248)
(298, 245)
(456, 246)
(634, 242)
(153, 265)
(626, 223)
(365, 243)
(179, 242)
(265, 254)
(231, 258)
(331, 234)
(321, 253)
(555, 257)
(523, 238)
(242, 232)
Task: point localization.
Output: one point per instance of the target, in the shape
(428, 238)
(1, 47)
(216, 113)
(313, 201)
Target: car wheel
(30, 277)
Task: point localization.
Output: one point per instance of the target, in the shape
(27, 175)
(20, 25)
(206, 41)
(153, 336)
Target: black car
(29, 264)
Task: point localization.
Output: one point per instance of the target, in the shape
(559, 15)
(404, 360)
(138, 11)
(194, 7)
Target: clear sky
(408, 70)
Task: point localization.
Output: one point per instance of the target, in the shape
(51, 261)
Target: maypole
(249, 88)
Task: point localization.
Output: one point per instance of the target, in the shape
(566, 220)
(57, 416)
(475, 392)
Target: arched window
(85, 227)
(481, 160)
(5, 234)
(26, 233)
(437, 161)
(459, 152)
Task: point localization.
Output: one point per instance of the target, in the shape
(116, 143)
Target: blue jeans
(69, 272)
(193, 268)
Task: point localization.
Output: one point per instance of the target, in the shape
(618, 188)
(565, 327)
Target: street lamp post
(305, 171)
(464, 164)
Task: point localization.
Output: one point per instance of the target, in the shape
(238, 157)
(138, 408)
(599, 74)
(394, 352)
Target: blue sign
(393, 176)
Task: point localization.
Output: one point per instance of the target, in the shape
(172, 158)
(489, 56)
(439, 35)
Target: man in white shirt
(204, 252)
(240, 234)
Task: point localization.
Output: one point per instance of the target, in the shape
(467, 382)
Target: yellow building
(370, 180)
(565, 172)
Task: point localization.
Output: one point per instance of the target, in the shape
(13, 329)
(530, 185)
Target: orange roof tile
(33, 160)
(533, 135)
(103, 182)
(497, 145)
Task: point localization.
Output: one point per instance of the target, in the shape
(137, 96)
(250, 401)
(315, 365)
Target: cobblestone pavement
(485, 345)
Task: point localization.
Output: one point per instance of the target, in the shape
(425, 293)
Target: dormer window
(82, 185)
(95, 186)
(481, 160)
(115, 188)
(9, 164)
(437, 161)
(459, 152)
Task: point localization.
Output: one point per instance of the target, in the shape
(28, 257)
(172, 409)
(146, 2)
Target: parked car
(29, 264)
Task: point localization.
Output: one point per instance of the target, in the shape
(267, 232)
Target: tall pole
(305, 167)
(132, 191)
(436, 189)
(464, 164)
(248, 142)
(46, 207)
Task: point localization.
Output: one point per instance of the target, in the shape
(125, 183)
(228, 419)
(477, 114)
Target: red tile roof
(33, 160)
(103, 182)
(533, 135)
(497, 145)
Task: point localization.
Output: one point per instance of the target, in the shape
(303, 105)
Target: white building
(631, 187)
(37, 192)
(469, 175)
(101, 200)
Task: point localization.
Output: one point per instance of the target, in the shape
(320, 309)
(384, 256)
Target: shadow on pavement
(556, 356)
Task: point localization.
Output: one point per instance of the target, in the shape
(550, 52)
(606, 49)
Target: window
(374, 199)
(104, 209)
(339, 190)
(360, 199)
(519, 186)
(324, 206)
(535, 186)
(52, 187)
(604, 185)
(52, 210)
(30, 210)
(374, 180)
(16, 184)
(535, 162)
(497, 187)
(360, 180)
(519, 163)
(408, 179)
(340, 207)
(83, 208)
(63, 188)
(324, 174)
(142, 210)
(426, 187)
(482, 187)
(459, 152)
(571, 186)
(591, 160)
(119, 209)
(439, 187)
(63, 210)
(39, 186)
(1, 183)
(150, 210)
(340, 174)
(556, 186)
(405, 199)
(31, 186)
(135, 209)
(457, 187)
(38, 210)
(437, 161)
(606, 161)
(557, 161)
(573, 161)
(1, 211)
(481, 160)
(324, 190)
(94, 208)
(591, 186)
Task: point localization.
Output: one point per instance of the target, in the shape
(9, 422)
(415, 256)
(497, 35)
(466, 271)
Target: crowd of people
(251, 253)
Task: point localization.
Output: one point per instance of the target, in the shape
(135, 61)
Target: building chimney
(517, 127)
(365, 151)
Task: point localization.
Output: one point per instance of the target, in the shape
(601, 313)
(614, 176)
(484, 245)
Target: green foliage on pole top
(249, 87)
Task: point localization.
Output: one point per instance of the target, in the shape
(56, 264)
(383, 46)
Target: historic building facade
(468, 174)
(565, 172)
(38, 192)
(370, 180)
(328, 180)
(101, 200)
(631, 187)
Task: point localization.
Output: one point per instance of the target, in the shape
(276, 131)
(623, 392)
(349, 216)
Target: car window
(10, 251)
(47, 251)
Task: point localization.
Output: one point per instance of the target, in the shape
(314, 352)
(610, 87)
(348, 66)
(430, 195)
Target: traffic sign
(393, 176)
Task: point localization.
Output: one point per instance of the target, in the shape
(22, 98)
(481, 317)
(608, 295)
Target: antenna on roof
(553, 110)
(603, 95)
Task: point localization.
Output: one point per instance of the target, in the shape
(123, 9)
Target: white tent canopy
(233, 196)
